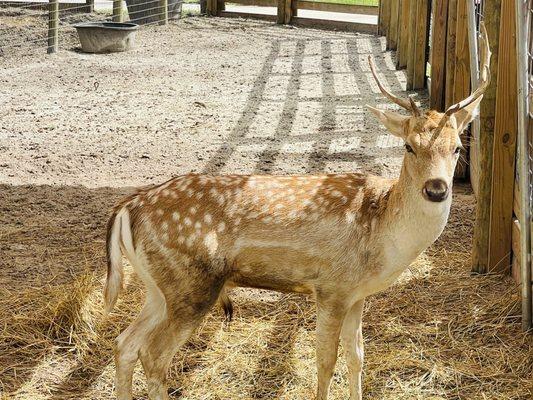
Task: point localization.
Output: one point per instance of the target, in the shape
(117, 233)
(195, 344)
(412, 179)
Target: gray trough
(106, 37)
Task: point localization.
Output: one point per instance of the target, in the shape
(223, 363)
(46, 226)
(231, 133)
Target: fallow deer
(338, 237)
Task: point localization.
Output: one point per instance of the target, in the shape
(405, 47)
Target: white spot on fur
(221, 227)
(176, 216)
(350, 217)
(192, 210)
(187, 221)
(211, 243)
(159, 212)
(208, 219)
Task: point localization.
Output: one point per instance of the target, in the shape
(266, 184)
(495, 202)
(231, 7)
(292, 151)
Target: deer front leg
(329, 322)
(352, 343)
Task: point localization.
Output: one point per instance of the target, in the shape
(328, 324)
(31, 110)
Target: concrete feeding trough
(106, 37)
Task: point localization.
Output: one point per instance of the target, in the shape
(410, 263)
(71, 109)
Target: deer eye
(409, 148)
(457, 150)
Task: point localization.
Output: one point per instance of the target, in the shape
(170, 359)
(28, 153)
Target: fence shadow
(52, 235)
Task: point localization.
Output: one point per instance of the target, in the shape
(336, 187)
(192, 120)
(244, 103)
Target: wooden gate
(287, 13)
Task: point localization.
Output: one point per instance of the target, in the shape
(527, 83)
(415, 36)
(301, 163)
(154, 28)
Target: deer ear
(467, 114)
(394, 122)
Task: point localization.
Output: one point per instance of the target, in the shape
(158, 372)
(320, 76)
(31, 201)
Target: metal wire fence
(29, 27)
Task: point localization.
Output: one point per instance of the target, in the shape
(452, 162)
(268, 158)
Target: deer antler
(407, 104)
(484, 80)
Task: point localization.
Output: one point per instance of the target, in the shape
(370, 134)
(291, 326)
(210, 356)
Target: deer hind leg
(130, 341)
(352, 343)
(189, 297)
(329, 322)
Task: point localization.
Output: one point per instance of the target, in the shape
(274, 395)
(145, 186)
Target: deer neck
(411, 222)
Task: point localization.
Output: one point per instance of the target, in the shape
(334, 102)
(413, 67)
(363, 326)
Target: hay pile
(439, 333)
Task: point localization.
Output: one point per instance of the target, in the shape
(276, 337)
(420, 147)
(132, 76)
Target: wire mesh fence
(31, 27)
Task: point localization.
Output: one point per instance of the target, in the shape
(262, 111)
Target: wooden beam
(438, 54)
(336, 25)
(281, 12)
(504, 149)
(450, 53)
(392, 36)
(309, 22)
(385, 14)
(288, 12)
(422, 33)
(334, 7)
(235, 14)
(314, 5)
(411, 45)
(403, 34)
(480, 249)
(461, 80)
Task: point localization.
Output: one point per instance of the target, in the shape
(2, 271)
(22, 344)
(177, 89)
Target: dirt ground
(78, 131)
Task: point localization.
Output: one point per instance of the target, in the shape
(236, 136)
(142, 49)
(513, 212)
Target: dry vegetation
(439, 333)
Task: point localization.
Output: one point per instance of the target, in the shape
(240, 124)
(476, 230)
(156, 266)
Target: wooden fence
(287, 13)
(446, 63)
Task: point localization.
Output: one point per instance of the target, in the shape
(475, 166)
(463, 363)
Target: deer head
(432, 139)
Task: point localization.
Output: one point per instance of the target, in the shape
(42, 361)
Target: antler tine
(484, 79)
(407, 104)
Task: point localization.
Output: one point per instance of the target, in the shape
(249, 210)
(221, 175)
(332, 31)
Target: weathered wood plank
(342, 8)
(450, 53)
(480, 250)
(403, 34)
(504, 149)
(393, 25)
(385, 13)
(313, 5)
(461, 86)
(336, 25)
(420, 61)
(281, 12)
(438, 54)
(308, 22)
(411, 45)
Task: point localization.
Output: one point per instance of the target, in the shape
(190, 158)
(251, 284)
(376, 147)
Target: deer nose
(435, 190)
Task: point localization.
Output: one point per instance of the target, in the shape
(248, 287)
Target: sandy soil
(77, 131)
(197, 96)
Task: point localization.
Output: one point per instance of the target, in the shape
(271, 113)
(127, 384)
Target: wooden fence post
(403, 34)
(385, 17)
(288, 12)
(89, 6)
(392, 36)
(53, 26)
(480, 249)
(117, 10)
(281, 12)
(212, 8)
(163, 12)
(416, 49)
(438, 54)
(504, 148)
(451, 37)
(461, 83)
